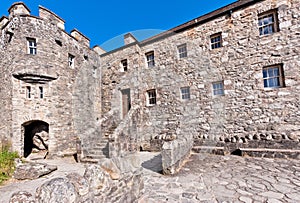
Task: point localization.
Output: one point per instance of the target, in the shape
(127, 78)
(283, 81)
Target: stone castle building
(230, 76)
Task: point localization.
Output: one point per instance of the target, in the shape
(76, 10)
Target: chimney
(18, 8)
(129, 38)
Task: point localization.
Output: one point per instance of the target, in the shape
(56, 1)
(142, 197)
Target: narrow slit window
(71, 60)
(28, 92)
(41, 92)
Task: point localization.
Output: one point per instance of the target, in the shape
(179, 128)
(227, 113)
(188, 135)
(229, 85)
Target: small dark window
(185, 93)
(151, 97)
(58, 42)
(71, 60)
(268, 23)
(150, 59)
(273, 76)
(218, 88)
(41, 92)
(124, 64)
(28, 92)
(216, 41)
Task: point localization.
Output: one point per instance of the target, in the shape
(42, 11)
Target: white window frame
(185, 93)
(32, 46)
(218, 88)
(151, 96)
(71, 60)
(150, 59)
(182, 50)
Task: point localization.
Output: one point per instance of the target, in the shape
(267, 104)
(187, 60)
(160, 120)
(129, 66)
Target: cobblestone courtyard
(212, 178)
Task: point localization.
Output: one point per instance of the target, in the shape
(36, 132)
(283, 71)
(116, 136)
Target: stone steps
(268, 153)
(253, 152)
(97, 152)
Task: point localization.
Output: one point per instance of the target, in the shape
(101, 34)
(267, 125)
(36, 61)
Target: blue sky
(104, 21)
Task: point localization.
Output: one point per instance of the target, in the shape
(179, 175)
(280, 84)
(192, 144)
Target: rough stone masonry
(229, 76)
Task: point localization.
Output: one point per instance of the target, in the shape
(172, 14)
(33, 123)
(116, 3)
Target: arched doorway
(36, 136)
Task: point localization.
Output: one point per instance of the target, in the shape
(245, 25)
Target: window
(31, 46)
(71, 60)
(41, 92)
(151, 97)
(124, 65)
(273, 76)
(28, 92)
(218, 88)
(150, 59)
(267, 23)
(58, 42)
(185, 93)
(216, 41)
(182, 50)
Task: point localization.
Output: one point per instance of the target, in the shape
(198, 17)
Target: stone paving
(213, 178)
(204, 178)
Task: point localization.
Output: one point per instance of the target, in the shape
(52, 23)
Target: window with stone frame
(151, 97)
(150, 59)
(182, 51)
(185, 93)
(71, 60)
(216, 40)
(268, 22)
(218, 88)
(124, 64)
(31, 46)
(41, 89)
(28, 92)
(273, 76)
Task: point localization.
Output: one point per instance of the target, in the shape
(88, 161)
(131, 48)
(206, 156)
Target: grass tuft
(7, 164)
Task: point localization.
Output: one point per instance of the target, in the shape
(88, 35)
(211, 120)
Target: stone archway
(36, 136)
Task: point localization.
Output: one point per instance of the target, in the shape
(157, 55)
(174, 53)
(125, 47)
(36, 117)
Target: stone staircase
(98, 152)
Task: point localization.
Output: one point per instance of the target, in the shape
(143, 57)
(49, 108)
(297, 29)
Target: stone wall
(70, 93)
(246, 108)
